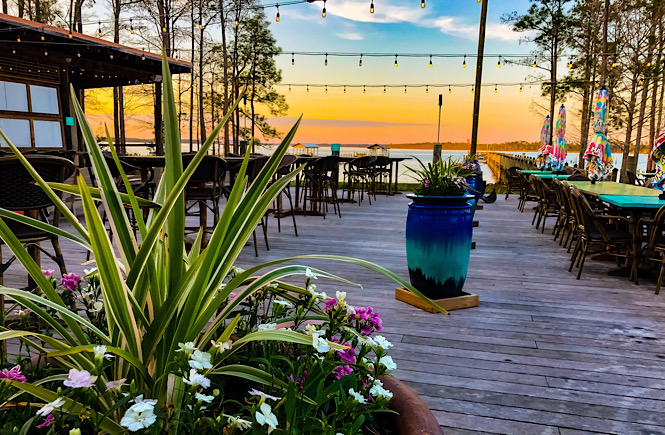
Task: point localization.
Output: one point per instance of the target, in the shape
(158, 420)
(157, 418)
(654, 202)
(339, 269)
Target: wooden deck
(542, 354)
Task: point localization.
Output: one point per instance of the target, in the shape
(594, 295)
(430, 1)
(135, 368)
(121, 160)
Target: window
(30, 115)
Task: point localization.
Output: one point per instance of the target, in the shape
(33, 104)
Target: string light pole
(437, 146)
(479, 77)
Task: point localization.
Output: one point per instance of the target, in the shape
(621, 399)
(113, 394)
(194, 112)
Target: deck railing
(500, 162)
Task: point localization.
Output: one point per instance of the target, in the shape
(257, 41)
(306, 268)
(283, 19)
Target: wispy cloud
(389, 12)
(353, 36)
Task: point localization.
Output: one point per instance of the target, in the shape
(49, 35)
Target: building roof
(96, 61)
(305, 145)
(379, 146)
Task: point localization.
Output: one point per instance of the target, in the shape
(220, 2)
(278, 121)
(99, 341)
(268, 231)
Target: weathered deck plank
(544, 353)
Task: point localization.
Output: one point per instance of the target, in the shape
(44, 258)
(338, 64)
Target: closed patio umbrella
(598, 155)
(545, 145)
(658, 155)
(557, 157)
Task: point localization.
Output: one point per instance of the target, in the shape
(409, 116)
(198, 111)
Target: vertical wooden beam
(159, 142)
(479, 77)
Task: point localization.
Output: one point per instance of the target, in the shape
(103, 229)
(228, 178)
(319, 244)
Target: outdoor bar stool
(254, 167)
(381, 175)
(286, 166)
(19, 193)
(320, 187)
(357, 175)
(205, 187)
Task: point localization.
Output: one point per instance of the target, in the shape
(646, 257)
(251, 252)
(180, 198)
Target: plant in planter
(439, 226)
(157, 338)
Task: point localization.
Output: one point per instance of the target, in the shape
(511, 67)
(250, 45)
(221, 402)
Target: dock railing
(500, 162)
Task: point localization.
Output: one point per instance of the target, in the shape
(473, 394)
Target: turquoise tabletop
(612, 188)
(536, 172)
(630, 201)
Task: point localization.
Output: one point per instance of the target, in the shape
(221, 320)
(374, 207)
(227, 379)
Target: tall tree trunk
(587, 93)
(653, 128)
(236, 87)
(251, 101)
(629, 126)
(21, 8)
(202, 123)
(191, 86)
(78, 15)
(553, 73)
(5, 7)
(38, 11)
(118, 97)
(225, 75)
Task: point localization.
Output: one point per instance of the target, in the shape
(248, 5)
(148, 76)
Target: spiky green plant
(156, 293)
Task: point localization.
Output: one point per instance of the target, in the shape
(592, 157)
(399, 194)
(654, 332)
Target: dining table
(636, 200)
(551, 176)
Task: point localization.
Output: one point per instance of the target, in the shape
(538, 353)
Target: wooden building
(306, 148)
(38, 63)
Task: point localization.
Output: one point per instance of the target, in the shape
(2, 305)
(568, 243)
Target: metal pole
(437, 146)
(479, 77)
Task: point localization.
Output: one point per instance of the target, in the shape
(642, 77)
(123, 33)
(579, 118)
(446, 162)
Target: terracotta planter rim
(415, 417)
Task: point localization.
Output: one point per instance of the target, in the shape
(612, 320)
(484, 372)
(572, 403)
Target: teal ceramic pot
(438, 243)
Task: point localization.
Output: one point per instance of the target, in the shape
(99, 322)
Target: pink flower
(342, 371)
(47, 422)
(23, 312)
(347, 355)
(13, 374)
(48, 272)
(80, 379)
(330, 305)
(72, 276)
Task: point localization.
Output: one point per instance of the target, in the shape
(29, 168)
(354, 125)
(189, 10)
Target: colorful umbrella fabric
(658, 154)
(545, 144)
(557, 157)
(598, 155)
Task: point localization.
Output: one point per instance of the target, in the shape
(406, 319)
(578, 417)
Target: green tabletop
(551, 176)
(628, 201)
(612, 188)
(536, 172)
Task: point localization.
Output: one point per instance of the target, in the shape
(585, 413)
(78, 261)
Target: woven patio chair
(547, 207)
(358, 177)
(527, 192)
(286, 166)
(205, 188)
(254, 167)
(19, 193)
(320, 185)
(513, 184)
(602, 232)
(654, 248)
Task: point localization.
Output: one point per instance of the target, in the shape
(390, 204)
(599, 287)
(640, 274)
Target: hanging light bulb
(308, 88)
(323, 14)
(18, 39)
(384, 89)
(14, 51)
(78, 54)
(395, 61)
(498, 65)
(450, 91)
(641, 82)
(464, 62)
(200, 25)
(570, 64)
(42, 35)
(495, 89)
(111, 56)
(131, 26)
(70, 34)
(405, 89)
(648, 64)
(521, 87)
(360, 62)
(472, 89)
(422, 4)
(163, 29)
(277, 17)
(99, 30)
(293, 59)
(325, 63)
(534, 62)
(45, 52)
(371, 8)
(427, 89)
(142, 56)
(289, 88)
(237, 23)
(364, 91)
(430, 61)
(326, 89)
(345, 89)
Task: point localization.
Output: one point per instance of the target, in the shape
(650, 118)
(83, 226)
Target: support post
(479, 77)
(437, 146)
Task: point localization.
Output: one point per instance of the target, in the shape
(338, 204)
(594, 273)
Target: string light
(200, 24)
(345, 89)
(323, 14)
(570, 64)
(293, 59)
(405, 89)
(111, 55)
(13, 51)
(648, 64)
(395, 61)
(498, 65)
(384, 89)
(641, 82)
(534, 62)
(371, 8)
(308, 88)
(496, 89)
(70, 34)
(18, 39)
(326, 61)
(360, 62)
(364, 91)
(450, 91)
(289, 88)
(131, 26)
(45, 52)
(277, 17)
(430, 61)
(326, 89)
(42, 36)
(472, 89)
(142, 56)
(521, 88)
(99, 30)
(464, 62)
(163, 29)
(427, 89)
(422, 4)
(78, 54)
(237, 23)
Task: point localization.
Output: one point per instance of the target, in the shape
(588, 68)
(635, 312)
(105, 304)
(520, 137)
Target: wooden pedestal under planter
(415, 417)
(464, 300)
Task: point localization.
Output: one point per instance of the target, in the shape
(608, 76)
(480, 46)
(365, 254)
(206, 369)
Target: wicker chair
(205, 188)
(358, 176)
(285, 167)
(600, 231)
(19, 193)
(513, 184)
(320, 185)
(547, 206)
(654, 248)
(527, 192)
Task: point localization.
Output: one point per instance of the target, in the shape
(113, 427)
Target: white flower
(382, 342)
(350, 310)
(200, 360)
(100, 352)
(286, 304)
(75, 431)
(368, 363)
(369, 341)
(204, 398)
(322, 295)
(89, 271)
(115, 385)
(238, 270)
(196, 379)
(310, 274)
(340, 296)
(49, 407)
(267, 326)
(311, 288)
(359, 397)
(80, 379)
(97, 307)
(186, 347)
(388, 362)
(377, 390)
(139, 416)
(222, 346)
(264, 396)
(310, 329)
(140, 399)
(274, 285)
(320, 344)
(266, 417)
(238, 422)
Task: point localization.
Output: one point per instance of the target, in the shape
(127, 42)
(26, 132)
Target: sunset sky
(400, 26)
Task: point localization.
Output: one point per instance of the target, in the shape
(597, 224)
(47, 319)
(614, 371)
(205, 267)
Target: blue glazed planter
(438, 243)
(476, 183)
